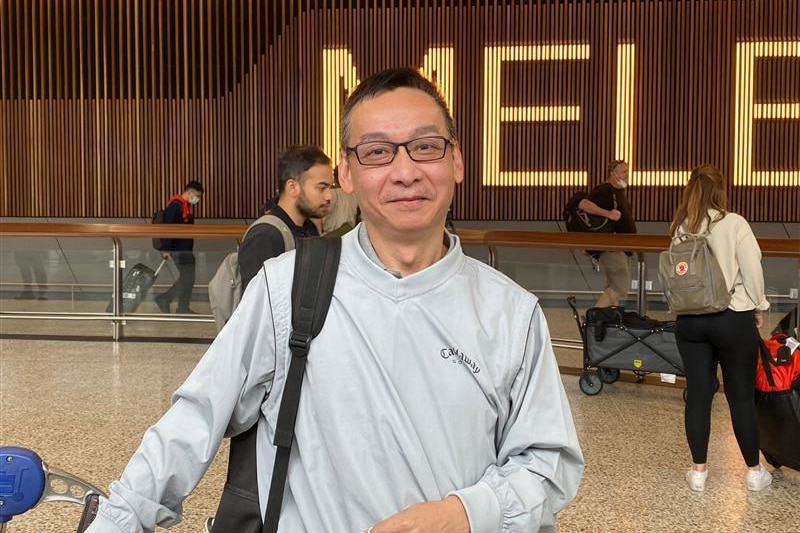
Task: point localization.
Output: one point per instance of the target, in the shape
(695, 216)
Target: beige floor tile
(84, 405)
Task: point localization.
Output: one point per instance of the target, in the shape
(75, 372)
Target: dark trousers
(30, 263)
(731, 339)
(181, 290)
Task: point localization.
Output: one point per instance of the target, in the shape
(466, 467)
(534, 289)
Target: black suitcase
(135, 286)
(779, 419)
(779, 426)
(790, 324)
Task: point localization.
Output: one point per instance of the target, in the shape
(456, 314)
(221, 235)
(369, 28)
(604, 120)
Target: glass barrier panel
(72, 277)
(553, 275)
(48, 276)
(208, 254)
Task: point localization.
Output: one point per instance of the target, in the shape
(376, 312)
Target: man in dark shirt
(609, 200)
(179, 211)
(305, 177)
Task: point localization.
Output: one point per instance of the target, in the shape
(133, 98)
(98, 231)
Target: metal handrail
(493, 238)
(640, 244)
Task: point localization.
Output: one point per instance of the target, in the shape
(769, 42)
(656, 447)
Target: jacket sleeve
(599, 202)
(173, 214)
(263, 242)
(748, 256)
(222, 395)
(539, 461)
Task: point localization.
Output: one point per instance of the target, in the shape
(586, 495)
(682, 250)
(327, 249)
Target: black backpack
(315, 269)
(581, 221)
(158, 218)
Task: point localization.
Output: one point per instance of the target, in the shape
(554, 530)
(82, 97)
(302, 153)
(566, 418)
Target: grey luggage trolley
(614, 340)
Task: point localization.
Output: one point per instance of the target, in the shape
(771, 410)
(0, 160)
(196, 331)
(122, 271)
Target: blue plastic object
(22, 480)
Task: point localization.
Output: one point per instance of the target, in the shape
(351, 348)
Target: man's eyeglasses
(377, 153)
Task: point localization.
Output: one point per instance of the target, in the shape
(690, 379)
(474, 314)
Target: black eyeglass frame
(353, 150)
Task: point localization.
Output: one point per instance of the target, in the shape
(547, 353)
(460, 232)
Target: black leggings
(731, 339)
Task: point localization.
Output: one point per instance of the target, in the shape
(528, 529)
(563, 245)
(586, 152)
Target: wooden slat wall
(108, 106)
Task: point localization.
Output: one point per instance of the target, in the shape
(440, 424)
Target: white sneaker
(696, 480)
(758, 479)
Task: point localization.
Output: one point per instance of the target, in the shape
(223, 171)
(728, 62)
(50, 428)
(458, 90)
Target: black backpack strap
(315, 269)
(766, 361)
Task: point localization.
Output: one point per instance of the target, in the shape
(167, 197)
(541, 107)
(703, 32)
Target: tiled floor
(84, 405)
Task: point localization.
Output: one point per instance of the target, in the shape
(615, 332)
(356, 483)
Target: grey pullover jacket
(442, 382)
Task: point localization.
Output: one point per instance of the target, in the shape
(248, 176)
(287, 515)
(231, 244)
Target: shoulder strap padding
(315, 268)
(277, 223)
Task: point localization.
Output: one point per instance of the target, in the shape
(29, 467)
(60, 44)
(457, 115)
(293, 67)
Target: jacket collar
(357, 252)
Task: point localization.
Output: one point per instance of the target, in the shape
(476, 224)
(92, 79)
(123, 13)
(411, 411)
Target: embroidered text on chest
(458, 357)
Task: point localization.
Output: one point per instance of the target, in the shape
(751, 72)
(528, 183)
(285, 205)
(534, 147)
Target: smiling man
(431, 401)
(487, 439)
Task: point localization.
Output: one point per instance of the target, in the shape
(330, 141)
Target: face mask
(622, 184)
(194, 200)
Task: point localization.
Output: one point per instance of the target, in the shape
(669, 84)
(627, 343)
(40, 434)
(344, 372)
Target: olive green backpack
(691, 277)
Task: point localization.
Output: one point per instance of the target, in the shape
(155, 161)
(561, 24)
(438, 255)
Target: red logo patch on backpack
(682, 268)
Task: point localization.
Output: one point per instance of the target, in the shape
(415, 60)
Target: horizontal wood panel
(107, 107)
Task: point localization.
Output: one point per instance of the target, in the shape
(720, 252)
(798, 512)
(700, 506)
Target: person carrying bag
(707, 335)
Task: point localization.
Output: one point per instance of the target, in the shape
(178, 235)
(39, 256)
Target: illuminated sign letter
(437, 66)
(626, 100)
(747, 111)
(494, 114)
(339, 78)
(337, 69)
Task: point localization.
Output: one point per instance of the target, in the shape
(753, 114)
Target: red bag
(785, 369)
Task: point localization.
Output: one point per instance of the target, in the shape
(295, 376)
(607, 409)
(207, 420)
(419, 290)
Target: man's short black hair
(295, 160)
(194, 185)
(389, 80)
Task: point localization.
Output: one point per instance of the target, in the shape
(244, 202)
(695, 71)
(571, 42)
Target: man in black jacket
(305, 178)
(179, 211)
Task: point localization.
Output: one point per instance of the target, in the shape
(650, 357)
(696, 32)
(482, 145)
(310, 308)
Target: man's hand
(165, 255)
(759, 318)
(444, 516)
(614, 214)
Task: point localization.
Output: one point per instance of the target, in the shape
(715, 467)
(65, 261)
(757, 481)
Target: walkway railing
(492, 239)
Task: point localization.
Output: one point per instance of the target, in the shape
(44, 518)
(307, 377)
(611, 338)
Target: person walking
(608, 200)
(305, 178)
(179, 211)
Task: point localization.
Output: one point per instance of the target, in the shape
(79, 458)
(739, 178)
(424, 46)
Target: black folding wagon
(614, 340)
